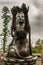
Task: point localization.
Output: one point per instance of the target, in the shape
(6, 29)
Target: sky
(35, 15)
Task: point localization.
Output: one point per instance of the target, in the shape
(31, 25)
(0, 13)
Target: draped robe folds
(20, 45)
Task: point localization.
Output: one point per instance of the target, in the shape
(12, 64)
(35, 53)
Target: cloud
(14, 2)
(38, 3)
(5, 2)
(36, 17)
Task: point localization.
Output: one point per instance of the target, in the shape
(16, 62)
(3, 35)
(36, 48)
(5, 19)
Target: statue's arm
(12, 32)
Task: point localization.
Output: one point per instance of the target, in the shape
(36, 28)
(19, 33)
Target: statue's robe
(20, 45)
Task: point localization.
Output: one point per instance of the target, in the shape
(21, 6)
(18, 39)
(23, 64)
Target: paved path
(38, 61)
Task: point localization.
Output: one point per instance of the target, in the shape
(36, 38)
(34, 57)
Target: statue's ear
(13, 10)
(24, 8)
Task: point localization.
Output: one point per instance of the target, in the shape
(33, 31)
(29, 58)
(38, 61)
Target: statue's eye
(22, 16)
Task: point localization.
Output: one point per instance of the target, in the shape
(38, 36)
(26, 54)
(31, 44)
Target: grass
(36, 51)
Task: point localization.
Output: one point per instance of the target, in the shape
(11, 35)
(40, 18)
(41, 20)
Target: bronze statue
(20, 47)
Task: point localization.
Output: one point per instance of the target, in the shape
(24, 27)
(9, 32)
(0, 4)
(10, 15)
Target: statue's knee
(11, 52)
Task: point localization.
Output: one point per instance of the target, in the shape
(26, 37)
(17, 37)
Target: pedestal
(30, 60)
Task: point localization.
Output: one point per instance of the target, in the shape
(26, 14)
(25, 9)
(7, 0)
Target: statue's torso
(22, 48)
(20, 44)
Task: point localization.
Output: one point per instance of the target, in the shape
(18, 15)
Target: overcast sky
(35, 15)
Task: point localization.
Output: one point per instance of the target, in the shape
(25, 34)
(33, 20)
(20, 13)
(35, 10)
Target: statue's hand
(25, 9)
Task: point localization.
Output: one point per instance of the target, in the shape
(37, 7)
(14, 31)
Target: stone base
(30, 60)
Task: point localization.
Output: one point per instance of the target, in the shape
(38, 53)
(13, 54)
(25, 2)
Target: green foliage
(39, 47)
(5, 10)
(6, 18)
(35, 50)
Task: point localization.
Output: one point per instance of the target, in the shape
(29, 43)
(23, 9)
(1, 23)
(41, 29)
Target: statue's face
(20, 21)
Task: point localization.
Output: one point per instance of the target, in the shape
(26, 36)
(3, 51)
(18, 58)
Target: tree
(6, 18)
(39, 45)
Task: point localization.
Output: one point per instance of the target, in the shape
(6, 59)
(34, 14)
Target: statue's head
(20, 21)
(20, 18)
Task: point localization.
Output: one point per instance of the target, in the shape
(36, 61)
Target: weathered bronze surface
(19, 50)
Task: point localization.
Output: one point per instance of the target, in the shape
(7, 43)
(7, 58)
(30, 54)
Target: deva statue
(20, 47)
(19, 50)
